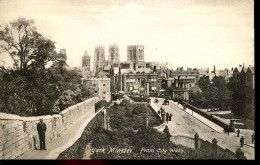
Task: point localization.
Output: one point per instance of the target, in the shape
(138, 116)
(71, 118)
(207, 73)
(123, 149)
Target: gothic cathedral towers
(86, 62)
(99, 57)
(113, 56)
(135, 53)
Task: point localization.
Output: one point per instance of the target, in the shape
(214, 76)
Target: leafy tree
(215, 95)
(25, 45)
(204, 83)
(25, 87)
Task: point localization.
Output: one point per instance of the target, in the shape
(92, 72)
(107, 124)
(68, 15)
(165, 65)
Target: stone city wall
(19, 134)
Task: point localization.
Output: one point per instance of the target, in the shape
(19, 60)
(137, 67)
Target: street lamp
(192, 109)
(148, 101)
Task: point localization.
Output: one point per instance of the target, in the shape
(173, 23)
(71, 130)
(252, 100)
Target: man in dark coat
(238, 132)
(41, 128)
(170, 117)
(167, 117)
(242, 140)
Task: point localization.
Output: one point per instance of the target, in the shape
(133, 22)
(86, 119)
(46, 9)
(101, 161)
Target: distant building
(99, 58)
(226, 73)
(243, 91)
(185, 78)
(181, 81)
(135, 53)
(204, 72)
(101, 87)
(113, 56)
(86, 62)
(86, 71)
(143, 80)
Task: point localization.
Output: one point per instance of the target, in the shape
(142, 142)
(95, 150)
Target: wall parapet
(207, 146)
(208, 116)
(19, 134)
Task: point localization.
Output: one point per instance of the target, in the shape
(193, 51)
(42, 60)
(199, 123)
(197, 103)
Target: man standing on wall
(41, 128)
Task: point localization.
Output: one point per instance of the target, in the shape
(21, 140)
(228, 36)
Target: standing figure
(226, 130)
(238, 132)
(242, 140)
(167, 117)
(253, 138)
(159, 112)
(170, 117)
(41, 128)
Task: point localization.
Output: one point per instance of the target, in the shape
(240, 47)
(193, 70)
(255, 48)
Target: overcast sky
(188, 33)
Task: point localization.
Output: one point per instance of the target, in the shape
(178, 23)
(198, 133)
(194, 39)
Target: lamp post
(192, 109)
(148, 101)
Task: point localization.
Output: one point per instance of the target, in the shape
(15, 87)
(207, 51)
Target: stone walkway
(186, 124)
(67, 139)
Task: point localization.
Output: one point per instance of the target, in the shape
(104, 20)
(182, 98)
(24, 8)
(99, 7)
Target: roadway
(184, 123)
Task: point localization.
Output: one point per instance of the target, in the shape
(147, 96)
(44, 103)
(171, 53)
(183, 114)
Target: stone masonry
(19, 134)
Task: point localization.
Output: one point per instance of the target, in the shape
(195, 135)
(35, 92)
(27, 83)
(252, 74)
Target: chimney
(214, 68)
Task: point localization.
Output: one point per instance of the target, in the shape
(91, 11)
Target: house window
(153, 88)
(131, 80)
(104, 92)
(190, 85)
(104, 85)
(103, 98)
(94, 85)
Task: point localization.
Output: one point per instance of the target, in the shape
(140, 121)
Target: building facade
(181, 81)
(101, 87)
(142, 80)
(243, 91)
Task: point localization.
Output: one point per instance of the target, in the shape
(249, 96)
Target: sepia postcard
(127, 80)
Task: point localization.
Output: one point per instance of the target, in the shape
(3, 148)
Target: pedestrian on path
(253, 138)
(238, 132)
(227, 130)
(167, 117)
(242, 140)
(159, 112)
(170, 117)
(41, 128)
